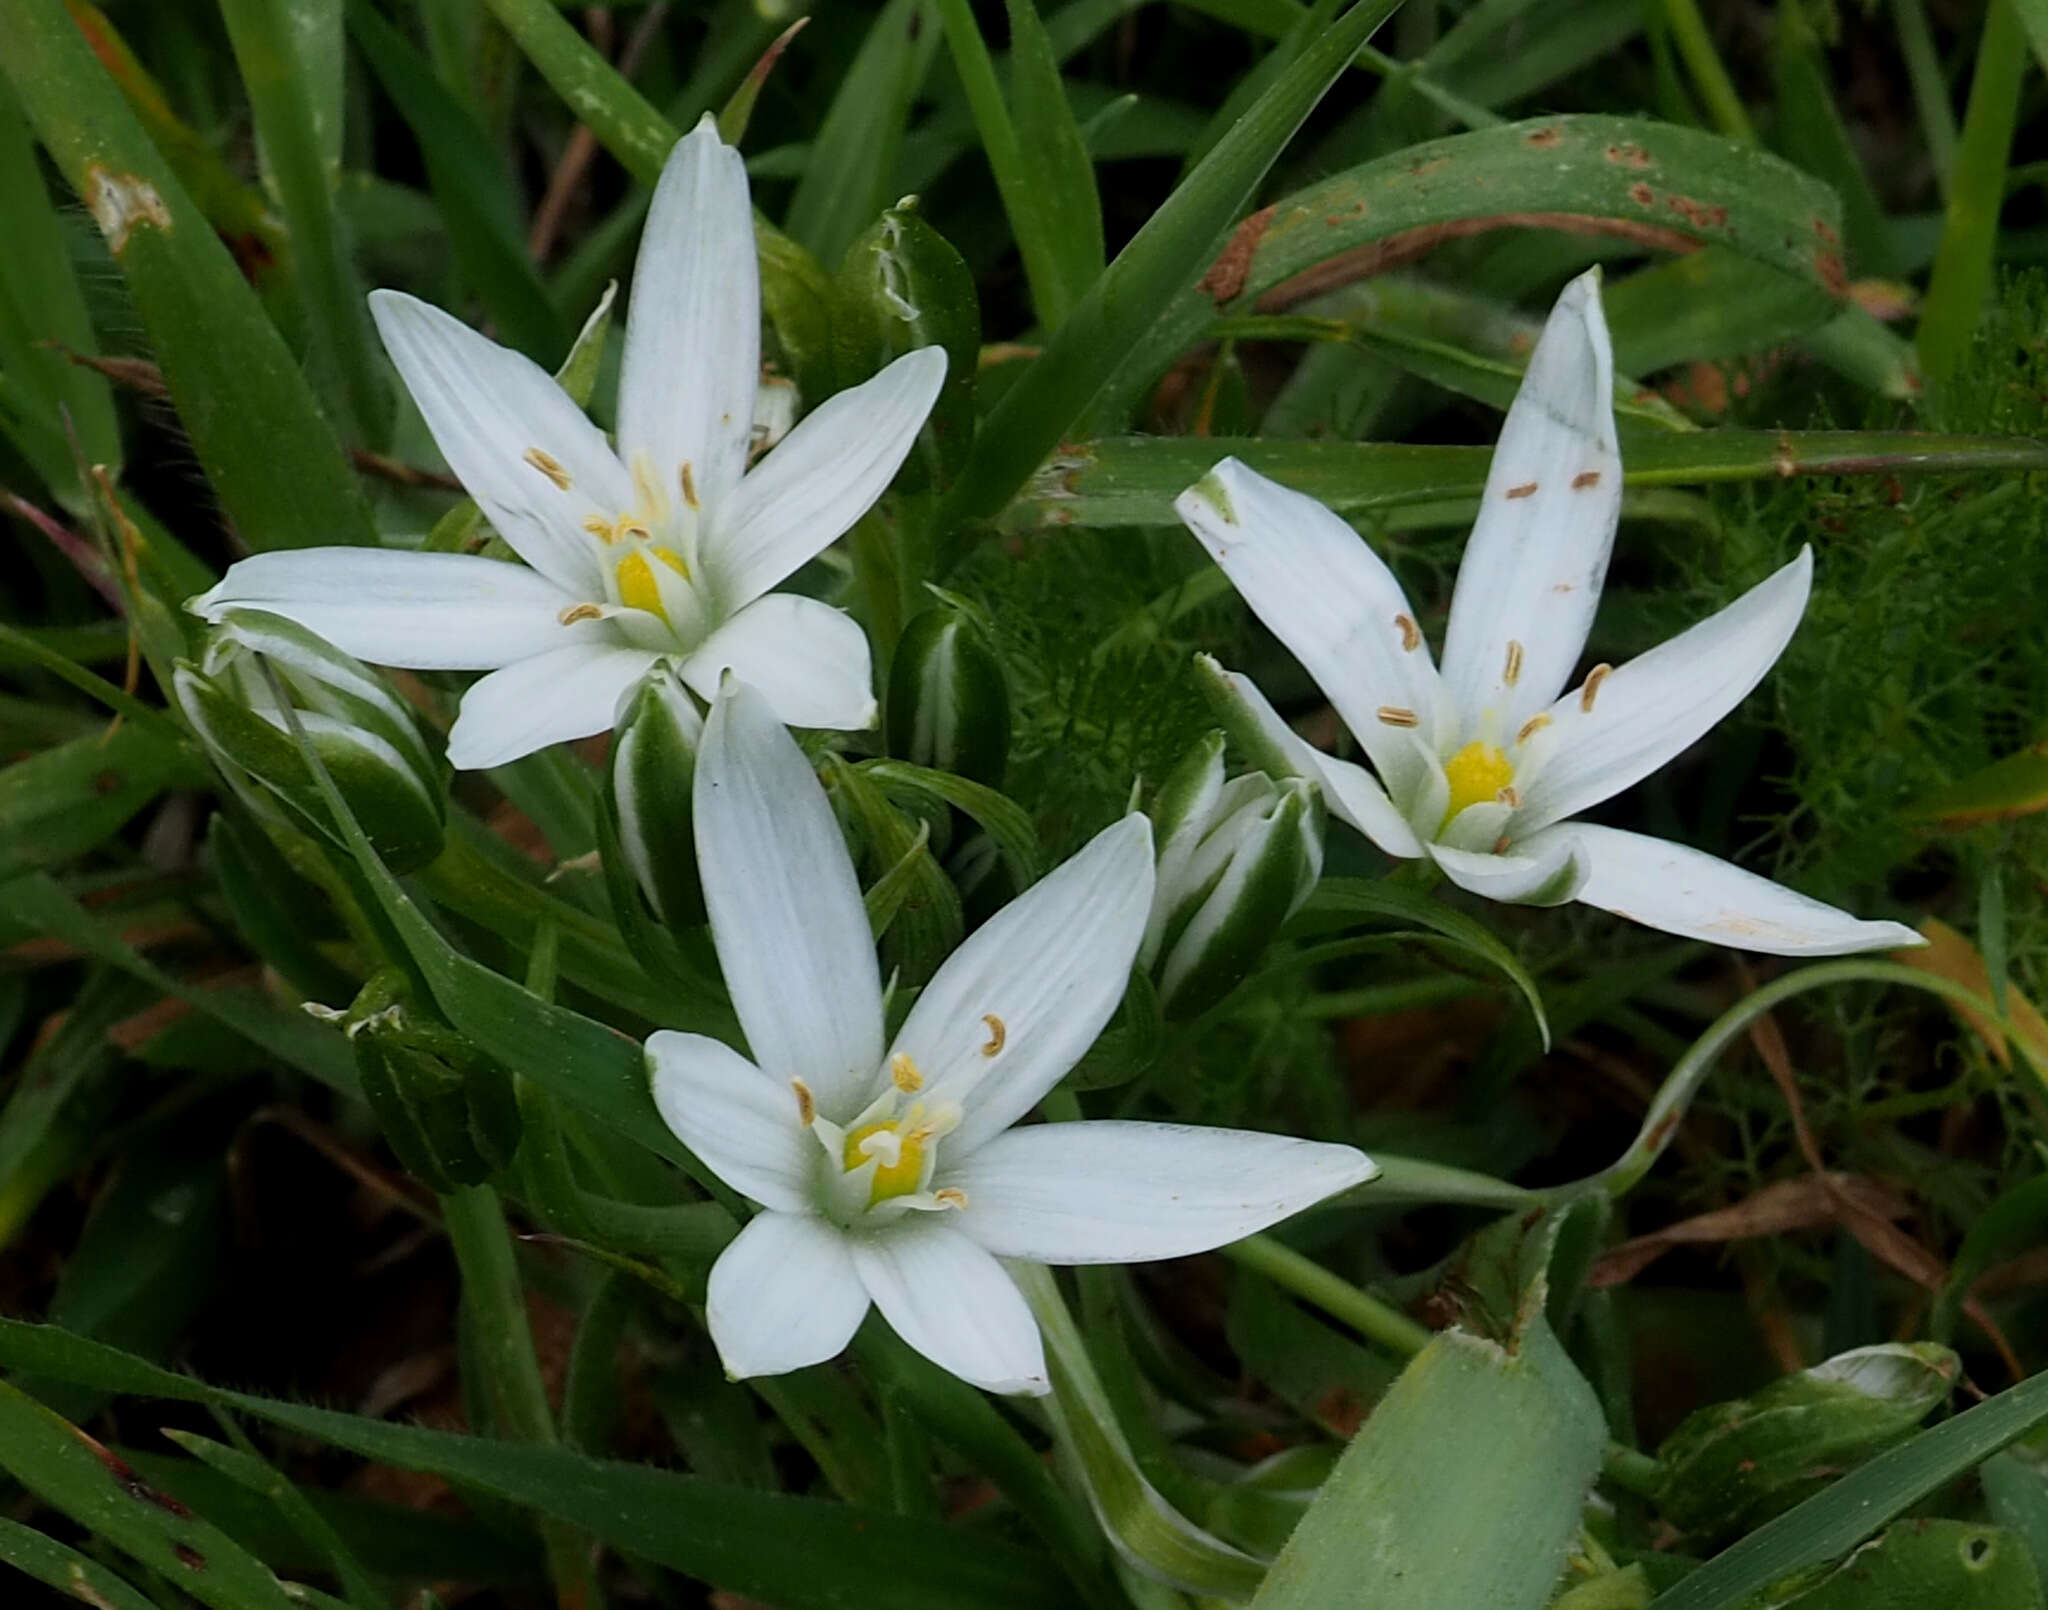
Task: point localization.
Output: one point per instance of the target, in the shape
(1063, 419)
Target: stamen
(903, 1074)
(1393, 715)
(689, 485)
(1526, 490)
(601, 529)
(806, 1104)
(1532, 726)
(1591, 691)
(579, 612)
(1509, 797)
(633, 528)
(1500, 845)
(549, 466)
(997, 1034)
(951, 1196)
(1511, 673)
(1584, 479)
(1411, 634)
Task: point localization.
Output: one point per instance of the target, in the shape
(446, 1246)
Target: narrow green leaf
(69, 800)
(66, 1570)
(242, 398)
(1161, 261)
(1056, 164)
(618, 114)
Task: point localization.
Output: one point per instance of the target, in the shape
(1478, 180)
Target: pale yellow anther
(579, 612)
(1511, 672)
(951, 1196)
(1531, 727)
(806, 1103)
(898, 1156)
(1509, 796)
(636, 529)
(997, 1034)
(602, 529)
(1393, 715)
(903, 1074)
(548, 465)
(1411, 634)
(1476, 773)
(1591, 691)
(689, 485)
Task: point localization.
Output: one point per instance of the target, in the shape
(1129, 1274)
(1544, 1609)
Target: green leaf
(1161, 261)
(66, 1570)
(1463, 1488)
(1357, 897)
(66, 801)
(1133, 480)
(853, 159)
(70, 1472)
(1831, 1523)
(1930, 1561)
(1007, 823)
(241, 395)
(798, 1553)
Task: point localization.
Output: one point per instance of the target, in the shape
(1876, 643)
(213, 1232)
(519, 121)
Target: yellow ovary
(638, 586)
(1476, 773)
(897, 1145)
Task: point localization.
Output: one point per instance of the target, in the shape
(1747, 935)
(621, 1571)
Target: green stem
(1930, 87)
(494, 1304)
(1716, 90)
(1312, 1283)
(1961, 280)
(1631, 1471)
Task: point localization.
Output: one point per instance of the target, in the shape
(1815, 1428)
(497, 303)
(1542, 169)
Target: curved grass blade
(65, 1569)
(273, 460)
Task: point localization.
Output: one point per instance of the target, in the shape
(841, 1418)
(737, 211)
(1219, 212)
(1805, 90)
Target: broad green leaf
(1649, 183)
(1321, 1372)
(1159, 263)
(799, 1553)
(1463, 1488)
(1712, 303)
(1831, 1523)
(242, 398)
(853, 160)
(1133, 480)
(2016, 1493)
(1917, 1564)
(1729, 1467)
(70, 1472)
(66, 1570)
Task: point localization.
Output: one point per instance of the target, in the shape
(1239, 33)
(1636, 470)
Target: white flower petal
(1353, 794)
(428, 611)
(743, 1123)
(513, 437)
(824, 476)
(952, 1301)
(1660, 702)
(1014, 1008)
(1533, 568)
(692, 357)
(786, 915)
(1684, 891)
(1324, 593)
(552, 698)
(785, 1294)
(807, 660)
(1110, 1192)
(1545, 870)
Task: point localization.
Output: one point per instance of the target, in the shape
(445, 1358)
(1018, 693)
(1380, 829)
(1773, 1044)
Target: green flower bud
(450, 1113)
(1236, 860)
(362, 731)
(949, 700)
(653, 764)
(902, 286)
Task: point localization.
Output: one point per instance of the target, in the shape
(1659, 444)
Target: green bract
(362, 731)
(949, 700)
(653, 762)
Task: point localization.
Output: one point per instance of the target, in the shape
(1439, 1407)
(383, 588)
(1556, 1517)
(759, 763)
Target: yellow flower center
(898, 1147)
(1476, 773)
(639, 588)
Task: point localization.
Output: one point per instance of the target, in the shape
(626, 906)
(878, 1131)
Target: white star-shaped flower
(1482, 764)
(891, 1173)
(668, 546)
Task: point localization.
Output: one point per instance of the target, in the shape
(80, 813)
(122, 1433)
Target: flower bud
(949, 700)
(450, 1113)
(902, 286)
(363, 732)
(1236, 860)
(653, 764)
